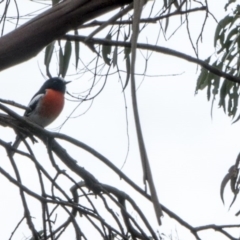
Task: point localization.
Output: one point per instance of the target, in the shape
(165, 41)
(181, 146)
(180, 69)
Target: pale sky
(189, 151)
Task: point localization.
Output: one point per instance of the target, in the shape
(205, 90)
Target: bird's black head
(55, 83)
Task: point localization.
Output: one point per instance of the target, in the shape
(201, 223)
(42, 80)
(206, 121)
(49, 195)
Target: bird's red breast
(51, 104)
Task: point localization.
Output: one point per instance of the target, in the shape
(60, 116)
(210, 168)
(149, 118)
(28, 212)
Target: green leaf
(127, 51)
(215, 85)
(229, 2)
(128, 65)
(48, 56)
(60, 59)
(167, 19)
(216, 81)
(235, 18)
(91, 47)
(165, 3)
(201, 81)
(230, 176)
(77, 49)
(223, 94)
(229, 105)
(209, 85)
(48, 53)
(127, 36)
(229, 59)
(202, 78)
(235, 97)
(219, 33)
(222, 37)
(66, 58)
(115, 56)
(233, 32)
(106, 50)
(237, 119)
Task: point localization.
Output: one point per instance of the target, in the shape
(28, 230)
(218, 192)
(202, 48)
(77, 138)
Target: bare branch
(158, 49)
(45, 136)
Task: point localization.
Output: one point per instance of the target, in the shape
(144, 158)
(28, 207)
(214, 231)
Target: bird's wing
(33, 104)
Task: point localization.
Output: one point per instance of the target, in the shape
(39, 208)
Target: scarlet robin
(46, 105)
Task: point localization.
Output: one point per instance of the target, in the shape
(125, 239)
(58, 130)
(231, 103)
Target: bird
(46, 105)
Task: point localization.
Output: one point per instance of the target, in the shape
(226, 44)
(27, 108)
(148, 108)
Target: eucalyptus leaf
(48, 56)
(220, 28)
(66, 58)
(115, 56)
(230, 176)
(202, 78)
(128, 66)
(229, 2)
(106, 50)
(60, 60)
(77, 49)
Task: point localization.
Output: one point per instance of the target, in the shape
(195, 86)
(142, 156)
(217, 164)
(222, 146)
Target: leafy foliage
(233, 177)
(227, 41)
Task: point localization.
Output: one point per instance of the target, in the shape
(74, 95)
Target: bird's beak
(67, 82)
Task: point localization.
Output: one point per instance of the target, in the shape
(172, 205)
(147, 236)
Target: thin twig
(15, 104)
(143, 20)
(15, 229)
(110, 21)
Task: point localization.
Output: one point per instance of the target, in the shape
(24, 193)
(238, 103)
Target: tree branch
(45, 135)
(28, 40)
(158, 49)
